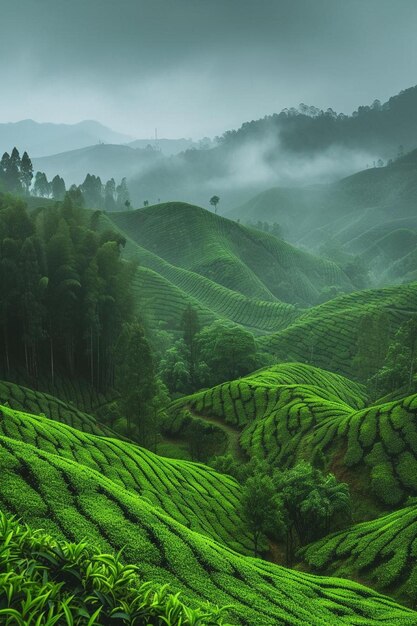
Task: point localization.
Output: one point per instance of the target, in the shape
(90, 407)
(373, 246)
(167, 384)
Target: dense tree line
(292, 506)
(386, 127)
(207, 356)
(17, 177)
(65, 291)
(16, 173)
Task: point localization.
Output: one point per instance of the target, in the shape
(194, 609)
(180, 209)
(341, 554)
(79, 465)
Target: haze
(198, 67)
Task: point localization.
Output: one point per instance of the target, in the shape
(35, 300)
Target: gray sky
(199, 67)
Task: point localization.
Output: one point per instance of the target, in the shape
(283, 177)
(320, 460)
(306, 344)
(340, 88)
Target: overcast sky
(199, 67)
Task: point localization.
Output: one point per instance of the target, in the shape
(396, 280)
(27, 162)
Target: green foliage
(400, 363)
(47, 582)
(66, 292)
(72, 484)
(380, 551)
(312, 502)
(261, 510)
(228, 351)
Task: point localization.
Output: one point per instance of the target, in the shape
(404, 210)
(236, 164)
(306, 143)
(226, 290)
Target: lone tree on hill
(214, 201)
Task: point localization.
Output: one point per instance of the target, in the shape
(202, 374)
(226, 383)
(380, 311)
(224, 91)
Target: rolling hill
(292, 411)
(327, 335)
(59, 489)
(370, 214)
(378, 551)
(198, 251)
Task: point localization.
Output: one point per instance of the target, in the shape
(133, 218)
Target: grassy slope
(75, 392)
(327, 335)
(193, 495)
(252, 398)
(72, 500)
(164, 290)
(242, 259)
(381, 552)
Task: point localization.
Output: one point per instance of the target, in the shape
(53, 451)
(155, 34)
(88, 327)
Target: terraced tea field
(239, 274)
(24, 399)
(291, 411)
(381, 552)
(253, 404)
(195, 496)
(72, 499)
(327, 335)
(245, 260)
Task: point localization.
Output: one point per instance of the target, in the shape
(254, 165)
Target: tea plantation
(73, 499)
(381, 551)
(327, 335)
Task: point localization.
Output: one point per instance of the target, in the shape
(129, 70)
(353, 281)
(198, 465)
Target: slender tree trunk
(98, 361)
(6, 348)
(91, 357)
(52, 359)
(255, 543)
(26, 357)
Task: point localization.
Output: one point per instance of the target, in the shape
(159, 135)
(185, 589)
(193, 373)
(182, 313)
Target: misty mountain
(41, 139)
(371, 214)
(379, 129)
(104, 160)
(295, 148)
(166, 146)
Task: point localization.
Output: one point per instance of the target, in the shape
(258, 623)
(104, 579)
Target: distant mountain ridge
(45, 138)
(296, 147)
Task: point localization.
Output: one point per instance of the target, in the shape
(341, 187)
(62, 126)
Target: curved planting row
(378, 443)
(72, 501)
(164, 290)
(382, 552)
(327, 335)
(24, 399)
(382, 440)
(76, 392)
(245, 260)
(194, 495)
(257, 396)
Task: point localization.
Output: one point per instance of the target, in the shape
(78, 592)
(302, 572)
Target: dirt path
(232, 434)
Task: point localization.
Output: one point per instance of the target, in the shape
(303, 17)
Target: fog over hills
(295, 148)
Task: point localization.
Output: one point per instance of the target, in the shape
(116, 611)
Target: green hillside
(327, 335)
(197, 497)
(252, 397)
(24, 399)
(243, 260)
(267, 414)
(164, 290)
(293, 411)
(371, 213)
(380, 552)
(71, 500)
